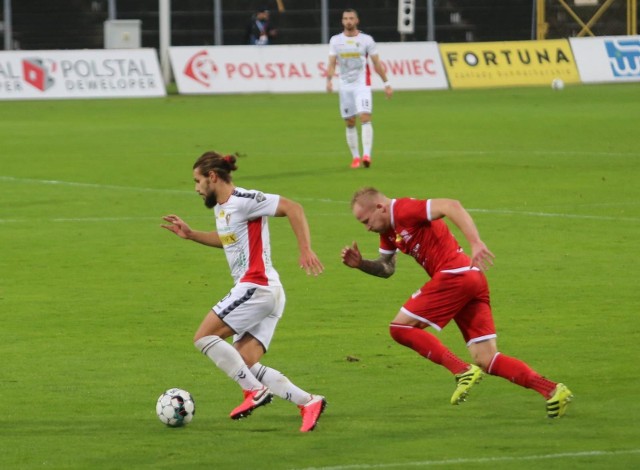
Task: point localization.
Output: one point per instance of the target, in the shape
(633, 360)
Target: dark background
(79, 24)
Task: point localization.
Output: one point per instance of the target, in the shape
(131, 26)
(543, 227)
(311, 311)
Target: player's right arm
(331, 70)
(384, 266)
(180, 228)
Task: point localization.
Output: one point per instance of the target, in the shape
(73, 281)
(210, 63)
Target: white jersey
(243, 228)
(352, 53)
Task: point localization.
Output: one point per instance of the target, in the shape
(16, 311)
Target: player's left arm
(295, 213)
(377, 66)
(481, 257)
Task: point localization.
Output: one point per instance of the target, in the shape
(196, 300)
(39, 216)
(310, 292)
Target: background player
(350, 50)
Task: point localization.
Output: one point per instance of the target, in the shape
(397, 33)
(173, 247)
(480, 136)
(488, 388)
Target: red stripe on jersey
(256, 271)
(368, 70)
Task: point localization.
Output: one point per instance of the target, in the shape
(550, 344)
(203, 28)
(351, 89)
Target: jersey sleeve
(261, 205)
(332, 47)
(372, 47)
(386, 246)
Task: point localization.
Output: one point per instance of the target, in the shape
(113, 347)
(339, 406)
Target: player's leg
(409, 332)
(477, 326)
(352, 141)
(210, 340)
(348, 113)
(237, 312)
(364, 108)
(252, 346)
(311, 406)
(557, 395)
(427, 345)
(367, 138)
(435, 304)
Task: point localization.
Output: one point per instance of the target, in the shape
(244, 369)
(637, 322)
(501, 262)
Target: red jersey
(429, 242)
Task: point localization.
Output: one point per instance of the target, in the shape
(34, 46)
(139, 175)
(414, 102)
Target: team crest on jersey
(223, 215)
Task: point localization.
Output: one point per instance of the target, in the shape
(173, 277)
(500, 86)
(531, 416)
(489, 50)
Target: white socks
(228, 360)
(367, 138)
(352, 141)
(279, 384)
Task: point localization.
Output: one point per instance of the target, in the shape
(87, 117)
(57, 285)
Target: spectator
(260, 31)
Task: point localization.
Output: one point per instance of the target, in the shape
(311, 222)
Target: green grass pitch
(99, 304)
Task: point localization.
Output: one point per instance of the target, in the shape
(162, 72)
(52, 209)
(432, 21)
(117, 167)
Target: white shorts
(355, 100)
(254, 309)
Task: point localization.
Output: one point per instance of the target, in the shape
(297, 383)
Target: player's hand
(388, 92)
(177, 226)
(351, 256)
(481, 257)
(311, 264)
(329, 86)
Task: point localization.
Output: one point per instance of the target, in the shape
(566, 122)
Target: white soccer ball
(557, 84)
(175, 407)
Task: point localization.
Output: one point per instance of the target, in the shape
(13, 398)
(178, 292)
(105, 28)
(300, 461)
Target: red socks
(510, 368)
(427, 345)
(521, 374)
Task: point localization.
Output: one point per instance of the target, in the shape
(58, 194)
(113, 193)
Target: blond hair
(368, 193)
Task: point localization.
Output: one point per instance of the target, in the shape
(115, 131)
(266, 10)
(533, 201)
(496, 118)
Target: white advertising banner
(296, 68)
(90, 73)
(607, 58)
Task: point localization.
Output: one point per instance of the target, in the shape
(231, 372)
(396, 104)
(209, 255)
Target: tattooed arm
(384, 266)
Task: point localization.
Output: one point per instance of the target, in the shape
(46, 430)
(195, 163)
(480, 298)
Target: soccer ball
(175, 407)
(557, 84)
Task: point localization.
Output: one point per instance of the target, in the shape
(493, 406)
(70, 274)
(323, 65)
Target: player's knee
(202, 342)
(398, 332)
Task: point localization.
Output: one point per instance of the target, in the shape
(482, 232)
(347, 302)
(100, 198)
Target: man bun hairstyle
(222, 165)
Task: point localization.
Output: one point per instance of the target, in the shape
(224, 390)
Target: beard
(210, 200)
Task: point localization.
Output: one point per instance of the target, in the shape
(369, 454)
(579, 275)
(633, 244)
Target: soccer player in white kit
(253, 307)
(350, 50)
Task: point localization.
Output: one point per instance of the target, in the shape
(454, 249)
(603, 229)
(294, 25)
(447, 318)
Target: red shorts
(463, 297)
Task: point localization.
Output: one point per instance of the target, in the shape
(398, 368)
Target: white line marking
(92, 185)
(427, 463)
(552, 214)
(323, 200)
(101, 219)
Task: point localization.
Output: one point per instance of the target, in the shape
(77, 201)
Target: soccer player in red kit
(457, 290)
